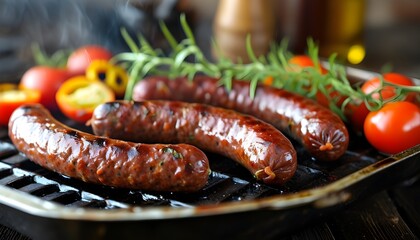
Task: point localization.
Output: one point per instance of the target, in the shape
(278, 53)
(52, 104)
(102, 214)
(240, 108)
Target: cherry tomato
(356, 115)
(46, 80)
(11, 98)
(298, 62)
(79, 96)
(359, 113)
(388, 91)
(269, 80)
(393, 128)
(82, 57)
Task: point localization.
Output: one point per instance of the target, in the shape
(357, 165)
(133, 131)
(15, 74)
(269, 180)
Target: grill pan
(45, 205)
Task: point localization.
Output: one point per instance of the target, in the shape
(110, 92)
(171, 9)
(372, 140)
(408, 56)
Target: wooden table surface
(390, 214)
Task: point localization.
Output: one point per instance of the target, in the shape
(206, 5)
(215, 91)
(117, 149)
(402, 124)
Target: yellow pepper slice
(78, 97)
(114, 76)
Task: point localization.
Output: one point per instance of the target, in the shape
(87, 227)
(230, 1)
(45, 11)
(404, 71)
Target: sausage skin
(321, 132)
(256, 145)
(101, 160)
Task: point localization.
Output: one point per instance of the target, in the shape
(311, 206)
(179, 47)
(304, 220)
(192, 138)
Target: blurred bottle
(344, 28)
(235, 20)
(337, 26)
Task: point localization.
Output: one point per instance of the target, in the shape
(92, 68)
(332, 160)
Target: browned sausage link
(258, 146)
(318, 129)
(157, 167)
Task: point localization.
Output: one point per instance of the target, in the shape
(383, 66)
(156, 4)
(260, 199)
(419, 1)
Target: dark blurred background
(386, 33)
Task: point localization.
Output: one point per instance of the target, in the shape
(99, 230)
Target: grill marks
(228, 182)
(18, 172)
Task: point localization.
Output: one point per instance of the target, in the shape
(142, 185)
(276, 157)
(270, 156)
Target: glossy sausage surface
(256, 145)
(101, 160)
(321, 132)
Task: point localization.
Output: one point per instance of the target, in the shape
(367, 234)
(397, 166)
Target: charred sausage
(321, 132)
(155, 167)
(256, 145)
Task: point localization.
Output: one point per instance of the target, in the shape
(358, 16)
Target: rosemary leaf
(253, 86)
(135, 75)
(129, 40)
(249, 49)
(168, 35)
(181, 56)
(147, 48)
(187, 30)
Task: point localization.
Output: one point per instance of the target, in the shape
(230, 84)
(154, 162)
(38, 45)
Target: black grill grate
(228, 182)
(18, 172)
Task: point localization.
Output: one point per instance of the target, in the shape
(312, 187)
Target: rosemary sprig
(187, 60)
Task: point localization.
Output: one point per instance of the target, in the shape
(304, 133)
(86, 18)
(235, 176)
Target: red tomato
(388, 91)
(359, 113)
(356, 115)
(81, 58)
(302, 61)
(394, 128)
(298, 62)
(46, 80)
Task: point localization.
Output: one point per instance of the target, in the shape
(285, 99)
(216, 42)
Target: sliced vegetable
(46, 80)
(11, 98)
(79, 96)
(82, 57)
(393, 128)
(114, 76)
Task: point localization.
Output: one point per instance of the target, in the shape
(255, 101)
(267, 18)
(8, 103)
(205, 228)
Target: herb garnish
(175, 154)
(144, 60)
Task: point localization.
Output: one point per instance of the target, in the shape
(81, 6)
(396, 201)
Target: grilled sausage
(321, 132)
(256, 145)
(157, 167)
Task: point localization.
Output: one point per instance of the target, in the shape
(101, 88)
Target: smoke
(68, 24)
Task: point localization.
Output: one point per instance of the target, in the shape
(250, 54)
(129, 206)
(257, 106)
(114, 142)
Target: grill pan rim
(333, 194)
